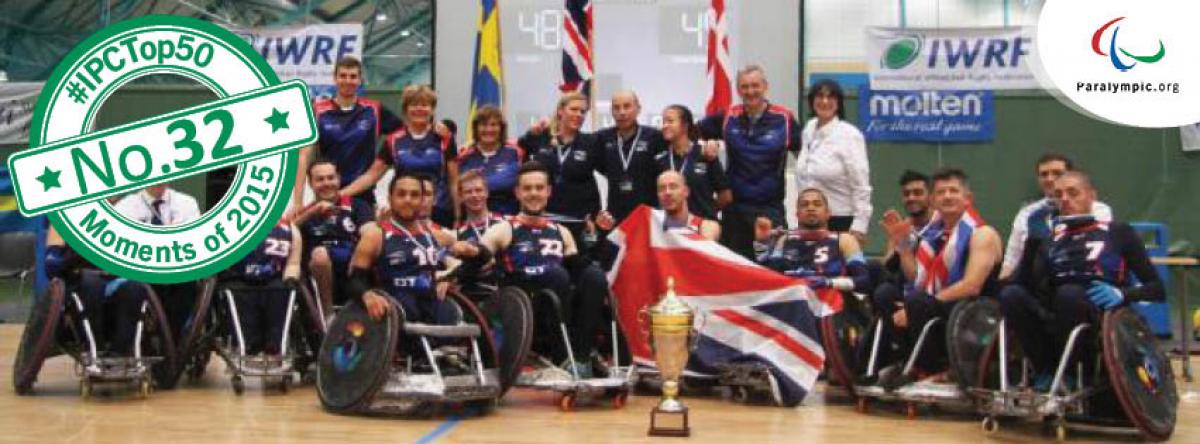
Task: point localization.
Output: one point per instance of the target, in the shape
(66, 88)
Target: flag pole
(592, 56)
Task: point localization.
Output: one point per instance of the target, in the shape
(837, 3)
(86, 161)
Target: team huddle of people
(528, 213)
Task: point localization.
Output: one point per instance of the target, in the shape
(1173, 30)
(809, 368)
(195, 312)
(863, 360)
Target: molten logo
(1112, 48)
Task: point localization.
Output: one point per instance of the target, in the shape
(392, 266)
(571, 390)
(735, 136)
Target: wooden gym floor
(209, 412)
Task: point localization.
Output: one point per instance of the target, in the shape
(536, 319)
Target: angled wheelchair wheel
(971, 342)
(842, 334)
(38, 340)
(157, 341)
(510, 316)
(356, 357)
(471, 314)
(313, 326)
(1141, 375)
(195, 349)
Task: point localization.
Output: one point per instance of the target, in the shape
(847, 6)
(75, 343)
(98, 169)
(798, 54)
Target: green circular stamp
(256, 124)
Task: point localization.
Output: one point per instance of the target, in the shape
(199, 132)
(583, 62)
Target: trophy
(671, 336)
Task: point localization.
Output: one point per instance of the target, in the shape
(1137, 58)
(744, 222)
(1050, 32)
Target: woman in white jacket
(833, 159)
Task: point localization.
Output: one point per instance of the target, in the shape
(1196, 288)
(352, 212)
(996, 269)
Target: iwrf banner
(16, 110)
(307, 52)
(926, 116)
(951, 58)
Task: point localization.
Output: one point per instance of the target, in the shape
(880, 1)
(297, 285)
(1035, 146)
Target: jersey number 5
(821, 255)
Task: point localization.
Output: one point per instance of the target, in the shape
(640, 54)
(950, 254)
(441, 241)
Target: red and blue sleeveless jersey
(408, 260)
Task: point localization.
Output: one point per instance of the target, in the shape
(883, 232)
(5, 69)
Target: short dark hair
(950, 173)
(824, 199)
(426, 178)
(832, 88)
(401, 176)
(910, 176)
(348, 62)
(1054, 157)
(531, 167)
(320, 161)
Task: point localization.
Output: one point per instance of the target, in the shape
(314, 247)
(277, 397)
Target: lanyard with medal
(683, 163)
(625, 185)
(487, 223)
(563, 155)
(431, 255)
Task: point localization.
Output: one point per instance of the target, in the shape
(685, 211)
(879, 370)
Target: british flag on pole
(720, 96)
(745, 312)
(577, 47)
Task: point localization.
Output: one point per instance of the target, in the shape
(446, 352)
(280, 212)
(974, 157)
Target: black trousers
(261, 313)
(582, 307)
(737, 225)
(178, 301)
(1043, 328)
(920, 308)
(112, 315)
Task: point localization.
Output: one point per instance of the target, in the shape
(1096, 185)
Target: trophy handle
(694, 333)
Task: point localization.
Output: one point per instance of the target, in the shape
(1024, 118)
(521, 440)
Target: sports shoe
(547, 375)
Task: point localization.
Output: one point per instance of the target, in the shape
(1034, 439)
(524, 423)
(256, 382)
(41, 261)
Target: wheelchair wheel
(356, 357)
(1141, 375)
(471, 314)
(973, 328)
(38, 340)
(842, 334)
(510, 316)
(194, 348)
(157, 341)
(311, 326)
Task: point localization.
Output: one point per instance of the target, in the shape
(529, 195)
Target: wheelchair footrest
(119, 369)
(445, 331)
(429, 387)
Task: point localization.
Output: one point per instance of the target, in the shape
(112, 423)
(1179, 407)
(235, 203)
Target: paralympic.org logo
(1113, 48)
(1122, 74)
(902, 52)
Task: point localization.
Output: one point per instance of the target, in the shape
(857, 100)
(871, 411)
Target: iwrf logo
(1113, 49)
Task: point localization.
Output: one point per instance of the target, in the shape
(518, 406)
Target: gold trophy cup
(671, 337)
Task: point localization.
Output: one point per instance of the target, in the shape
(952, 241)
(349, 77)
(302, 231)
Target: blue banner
(926, 116)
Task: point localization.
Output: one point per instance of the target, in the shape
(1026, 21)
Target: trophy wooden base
(664, 423)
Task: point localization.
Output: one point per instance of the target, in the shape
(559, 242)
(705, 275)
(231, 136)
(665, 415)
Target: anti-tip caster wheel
(566, 402)
(741, 395)
(239, 386)
(863, 406)
(990, 425)
(618, 401)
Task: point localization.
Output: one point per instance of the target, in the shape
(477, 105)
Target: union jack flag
(577, 50)
(941, 250)
(745, 312)
(718, 59)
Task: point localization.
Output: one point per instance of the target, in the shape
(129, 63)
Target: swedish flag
(487, 84)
